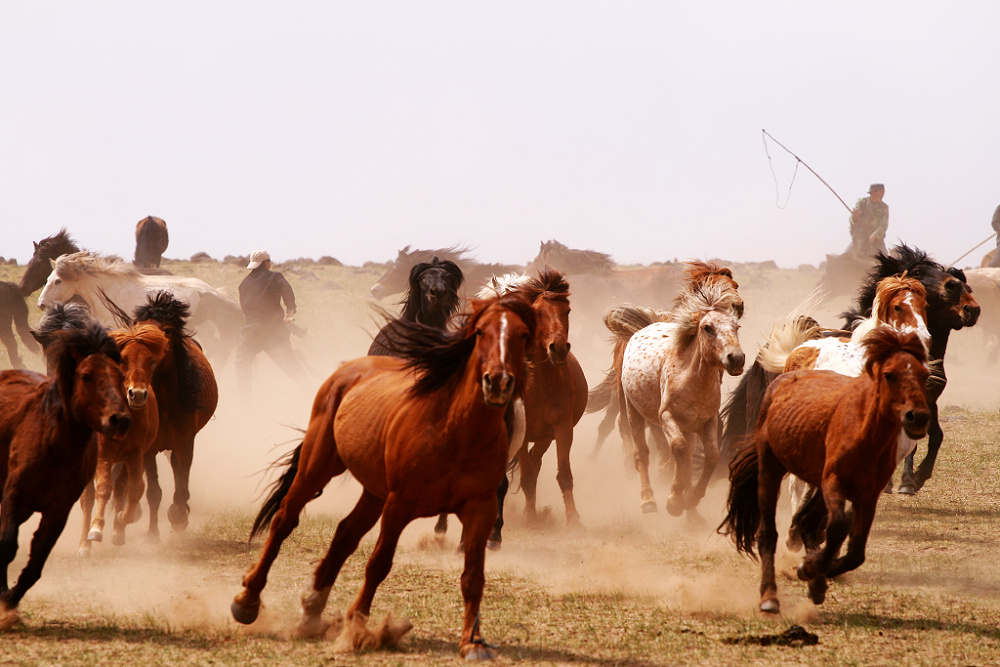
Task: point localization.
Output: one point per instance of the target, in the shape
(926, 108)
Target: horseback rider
(869, 222)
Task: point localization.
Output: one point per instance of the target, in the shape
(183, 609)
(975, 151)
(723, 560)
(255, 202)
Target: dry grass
(630, 589)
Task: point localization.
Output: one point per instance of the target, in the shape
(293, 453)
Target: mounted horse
(396, 279)
(151, 239)
(187, 395)
(422, 435)
(838, 434)
(14, 313)
(85, 275)
(47, 453)
(950, 307)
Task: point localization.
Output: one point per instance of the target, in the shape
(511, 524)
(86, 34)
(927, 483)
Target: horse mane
(625, 320)
(574, 261)
(85, 263)
(883, 342)
(173, 313)
(60, 243)
(438, 355)
(902, 260)
(700, 273)
(550, 284)
(145, 334)
(67, 315)
(699, 299)
(62, 350)
(453, 253)
(411, 301)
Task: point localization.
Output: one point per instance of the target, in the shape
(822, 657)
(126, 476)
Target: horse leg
(680, 451)
(345, 542)
(710, 448)
(935, 436)
(530, 459)
(10, 343)
(180, 460)
(564, 473)
(637, 423)
(154, 494)
(475, 516)
(128, 492)
(87, 505)
(665, 463)
(797, 494)
(864, 515)
(102, 487)
(815, 566)
(48, 531)
(441, 527)
(604, 428)
(496, 538)
(769, 475)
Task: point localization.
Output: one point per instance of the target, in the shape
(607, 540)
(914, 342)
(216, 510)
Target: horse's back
(642, 367)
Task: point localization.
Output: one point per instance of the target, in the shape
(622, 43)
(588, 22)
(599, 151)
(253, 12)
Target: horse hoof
(907, 490)
(793, 543)
(242, 614)
(118, 540)
(480, 652)
(800, 571)
(817, 590)
(493, 545)
(152, 538)
(83, 552)
(178, 517)
(674, 508)
(649, 507)
(770, 606)
(95, 536)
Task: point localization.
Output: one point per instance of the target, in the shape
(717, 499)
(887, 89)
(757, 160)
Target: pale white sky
(353, 129)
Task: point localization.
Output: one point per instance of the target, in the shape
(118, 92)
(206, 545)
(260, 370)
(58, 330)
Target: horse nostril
(917, 418)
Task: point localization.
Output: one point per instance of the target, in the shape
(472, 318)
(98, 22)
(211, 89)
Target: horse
(14, 314)
(423, 435)
(143, 348)
(950, 307)
(186, 397)
(39, 266)
(47, 454)
(432, 298)
(671, 378)
(396, 279)
(85, 275)
(839, 434)
(556, 394)
(151, 240)
(623, 322)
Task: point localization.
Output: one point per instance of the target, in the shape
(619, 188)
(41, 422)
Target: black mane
(172, 314)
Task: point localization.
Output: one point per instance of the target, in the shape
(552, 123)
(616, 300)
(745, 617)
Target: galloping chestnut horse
(151, 239)
(47, 453)
(143, 348)
(838, 434)
(186, 396)
(422, 435)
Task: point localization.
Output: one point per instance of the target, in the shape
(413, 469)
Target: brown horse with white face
(47, 454)
(420, 443)
(838, 434)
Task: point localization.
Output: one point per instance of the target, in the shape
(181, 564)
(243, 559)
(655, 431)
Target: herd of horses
(456, 393)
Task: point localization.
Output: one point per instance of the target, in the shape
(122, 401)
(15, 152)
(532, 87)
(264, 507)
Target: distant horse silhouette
(151, 239)
(143, 348)
(432, 297)
(47, 454)
(186, 398)
(671, 378)
(396, 279)
(422, 435)
(14, 313)
(838, 434)
(85, 275)
(950, 307)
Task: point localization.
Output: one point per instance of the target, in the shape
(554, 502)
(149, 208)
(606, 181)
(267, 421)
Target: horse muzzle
(498, 388)
(136, 397)
(916, 422)
(558, 354)
(115, 426)
(734, 363)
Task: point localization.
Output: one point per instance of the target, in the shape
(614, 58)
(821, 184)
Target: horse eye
(890, 377)
(897, 308)
(708, 329)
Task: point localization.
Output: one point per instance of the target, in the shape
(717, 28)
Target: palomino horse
(950, 307)
(431, 299)
(14, 313)
(556, 395)
(47, 453)
(151, 239)
(186, 397)
(423, 435)
(396, 279)
(86, 275)
(143, 348)
(671, 378)
(838, 434)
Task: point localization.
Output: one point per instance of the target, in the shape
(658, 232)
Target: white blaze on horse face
(921, 328)
(503, 340)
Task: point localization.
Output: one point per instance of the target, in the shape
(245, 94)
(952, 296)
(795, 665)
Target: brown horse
(422, 436)
(14, 313)
(186, 396)
(556, 395)
(151, 240)
(143, 348)
(47, 453)
(37, 271)
(838, 434)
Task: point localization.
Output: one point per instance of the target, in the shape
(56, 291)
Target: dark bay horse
(187, 395)
(151, 239)
(14, 314)
(432, 298)
(37, 271)
(396, 279)
(838, 434)
(422, 435)
(47, 452)
(143, 348)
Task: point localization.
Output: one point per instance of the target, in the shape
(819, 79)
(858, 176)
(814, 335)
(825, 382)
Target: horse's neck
(123, 293)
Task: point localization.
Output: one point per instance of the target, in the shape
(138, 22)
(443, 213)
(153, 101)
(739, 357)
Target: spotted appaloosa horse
(838, 434)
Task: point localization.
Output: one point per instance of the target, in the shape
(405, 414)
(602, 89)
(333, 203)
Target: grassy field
(628, 589)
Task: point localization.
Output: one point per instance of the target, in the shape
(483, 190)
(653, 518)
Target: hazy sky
(353, 129)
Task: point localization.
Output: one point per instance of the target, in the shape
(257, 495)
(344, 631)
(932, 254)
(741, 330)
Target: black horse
(950, 307)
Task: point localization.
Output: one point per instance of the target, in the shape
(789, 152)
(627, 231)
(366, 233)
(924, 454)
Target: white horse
(671, 377)
(84, 276)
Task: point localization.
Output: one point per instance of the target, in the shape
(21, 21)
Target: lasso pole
(973, 248)
(766, 133)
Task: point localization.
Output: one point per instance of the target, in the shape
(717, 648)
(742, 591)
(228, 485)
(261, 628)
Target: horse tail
(601, 396)
(740, 412)
(278, 492)
(742, 509)
(785, 337)
(623, 321)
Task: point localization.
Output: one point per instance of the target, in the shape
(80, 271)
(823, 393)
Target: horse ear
(52, 262)
(35, 243)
